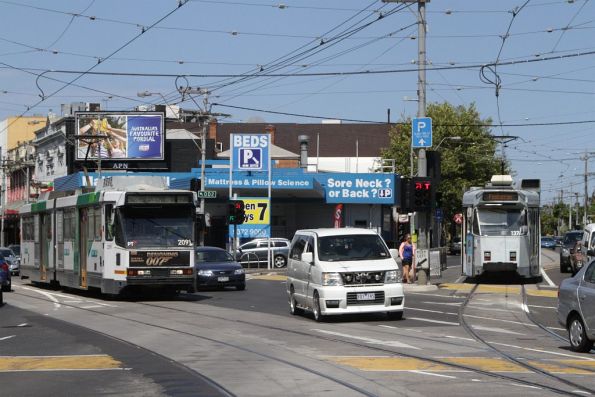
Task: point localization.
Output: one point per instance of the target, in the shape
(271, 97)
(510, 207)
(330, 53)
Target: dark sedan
(5, 282)
(567, 249)
(217, 268)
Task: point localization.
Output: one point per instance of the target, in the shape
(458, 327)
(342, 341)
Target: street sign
(438, 215)
(250, 152)
(421, 132)
(207, 194)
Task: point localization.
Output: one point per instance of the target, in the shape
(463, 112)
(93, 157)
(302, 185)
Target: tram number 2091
(184, 243)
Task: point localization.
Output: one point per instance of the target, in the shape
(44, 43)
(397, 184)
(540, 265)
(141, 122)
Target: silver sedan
(576, 308)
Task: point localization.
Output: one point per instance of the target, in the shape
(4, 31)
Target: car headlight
(239, 271)
(392, 276)
(207, 273)
(331, 279)
(565, 251)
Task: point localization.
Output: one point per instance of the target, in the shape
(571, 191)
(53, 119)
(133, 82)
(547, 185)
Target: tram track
(469, 329)
(384, 350)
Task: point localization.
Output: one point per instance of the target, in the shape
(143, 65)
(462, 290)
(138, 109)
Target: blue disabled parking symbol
(250, 159)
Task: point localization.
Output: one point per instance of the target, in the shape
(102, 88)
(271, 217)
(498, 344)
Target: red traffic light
(423, 185)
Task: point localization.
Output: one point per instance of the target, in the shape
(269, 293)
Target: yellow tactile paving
(499, 289)
(57, 363)
(488, 364)
(270, 277)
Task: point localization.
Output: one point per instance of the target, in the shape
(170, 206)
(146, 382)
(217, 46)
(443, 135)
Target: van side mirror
(308, 257)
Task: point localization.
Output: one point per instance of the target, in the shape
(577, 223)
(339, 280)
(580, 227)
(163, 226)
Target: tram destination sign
(500, 196)
(207, 194)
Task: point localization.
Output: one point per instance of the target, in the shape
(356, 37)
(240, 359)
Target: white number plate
(222, 279)
(370, 296)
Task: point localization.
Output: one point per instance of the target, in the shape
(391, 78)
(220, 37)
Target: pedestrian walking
(407, 254)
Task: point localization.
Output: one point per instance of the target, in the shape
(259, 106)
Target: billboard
(121, 136)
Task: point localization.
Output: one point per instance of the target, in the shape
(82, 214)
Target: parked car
(548, 242)
(343, 271)
(576, 308)
(217, 268)
(13, 263)
(16, 249)
(454, 247)
(5, 279)
(254, 252)
(570, 238)
(559, 240)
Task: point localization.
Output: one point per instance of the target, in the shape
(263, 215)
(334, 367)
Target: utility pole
(422, 165)
(3, 164)
(586, 176)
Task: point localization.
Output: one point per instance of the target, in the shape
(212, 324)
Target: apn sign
(250, 152)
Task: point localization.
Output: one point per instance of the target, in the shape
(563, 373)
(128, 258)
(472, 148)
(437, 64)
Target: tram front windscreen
(501, 222)
(163, 227)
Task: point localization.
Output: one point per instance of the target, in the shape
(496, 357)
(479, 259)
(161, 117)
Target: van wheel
(578, 336)
(316, 308)
(293, 307)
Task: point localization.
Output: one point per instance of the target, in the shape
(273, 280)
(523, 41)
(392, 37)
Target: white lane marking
(430, 311)
(543, 307)
(460, 279)
(90, 306)
(549, 280)
(557, 328)
(48, 295)
(581, 392)
(72, 301)
(7, 337)
(498, 330)
(22, 325)
(368, 340)
(482, 307)
(500, 320)
(388, 326)
(436, 295)
(433, 374)
(432, 321)
(101, 303)
(544, 351)
(525, 308)
(444, 303)
(458, 337)
(527, 386)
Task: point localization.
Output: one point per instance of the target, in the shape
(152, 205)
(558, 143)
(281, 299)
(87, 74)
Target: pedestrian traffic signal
(235, 212)
(423, 193)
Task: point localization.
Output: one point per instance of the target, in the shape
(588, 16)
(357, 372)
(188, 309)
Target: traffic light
(405, 196)
(423, 193)
(235, 212)
(195, 184)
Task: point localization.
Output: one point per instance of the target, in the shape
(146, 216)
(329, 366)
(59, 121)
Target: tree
(469, 162)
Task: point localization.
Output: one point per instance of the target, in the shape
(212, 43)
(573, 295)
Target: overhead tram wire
(571, 19)
(282, 62)
(181, 3)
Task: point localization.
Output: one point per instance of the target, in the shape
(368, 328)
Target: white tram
(501, 228)
(130, 231)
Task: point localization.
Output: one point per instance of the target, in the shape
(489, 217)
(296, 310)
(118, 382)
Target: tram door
(83, 246)
(45, 244)
(467, 243)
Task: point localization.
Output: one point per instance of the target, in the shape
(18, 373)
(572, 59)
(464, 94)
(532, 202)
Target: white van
(584, 251)
(343, 271)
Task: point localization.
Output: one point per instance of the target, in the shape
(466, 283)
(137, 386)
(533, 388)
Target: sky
(309, 60)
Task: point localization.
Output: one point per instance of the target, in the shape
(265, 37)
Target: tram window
(475, 224)
(97, 223)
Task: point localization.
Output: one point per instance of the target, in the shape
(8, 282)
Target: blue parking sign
(250, 159)
(421, 132)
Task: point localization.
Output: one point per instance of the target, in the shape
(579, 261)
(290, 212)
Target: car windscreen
(6, 253)
(16, 249)
(570, 238)
(351, 248)
(213, 256)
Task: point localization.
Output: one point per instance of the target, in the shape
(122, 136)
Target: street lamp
(450, 138)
